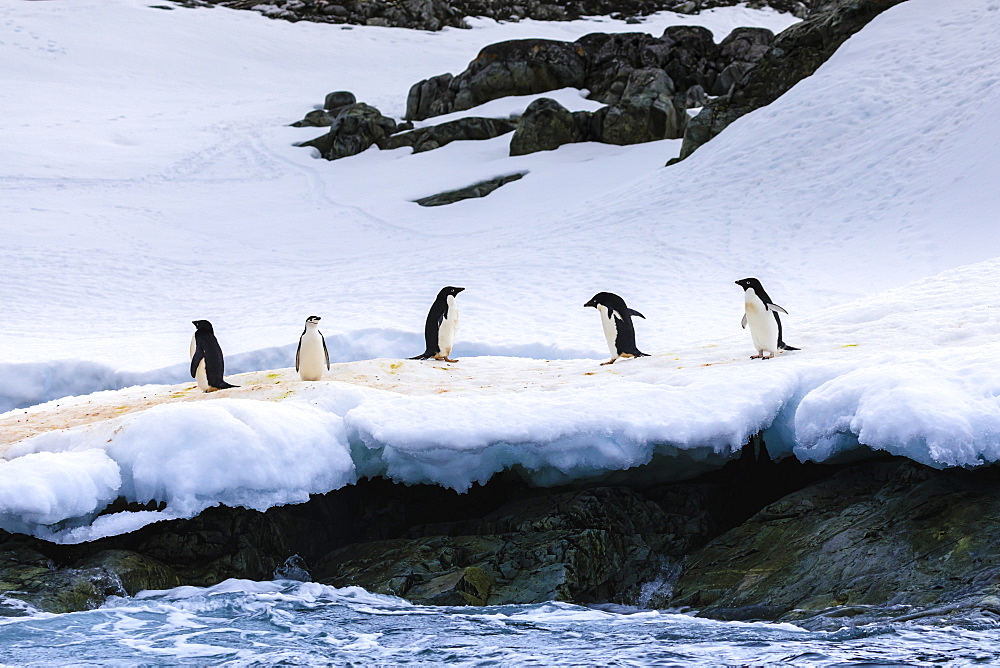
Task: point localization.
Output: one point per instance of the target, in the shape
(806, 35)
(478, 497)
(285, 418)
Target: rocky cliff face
(812, 544)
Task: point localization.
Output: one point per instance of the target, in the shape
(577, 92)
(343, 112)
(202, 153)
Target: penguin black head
(449, 291)
(601, 299)
(313, 318)
(749, 283)
(754, 284)
(202, 325)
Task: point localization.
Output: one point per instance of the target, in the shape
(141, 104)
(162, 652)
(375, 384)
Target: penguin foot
(448, 359)
(607, 363)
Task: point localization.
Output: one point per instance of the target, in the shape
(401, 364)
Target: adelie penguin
(762, 317)
(441, 326)
(618, 328)
(207, 364)
(312, 355)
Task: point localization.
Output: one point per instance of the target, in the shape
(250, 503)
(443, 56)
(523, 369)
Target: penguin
(441, 325)
(618, 329)
(762, 316)
(311, 353)
(207, 364)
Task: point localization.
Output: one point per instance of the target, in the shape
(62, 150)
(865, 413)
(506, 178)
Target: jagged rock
(355, 128)
(877, 539)
(795, 54)
(481, 189)
(436, 136)
(597, 544)
(545, 125)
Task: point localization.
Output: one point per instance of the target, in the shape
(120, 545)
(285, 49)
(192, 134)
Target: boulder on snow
(645, 113)
(355, 128)
(515, 67)
(544, 126)
(338, 99)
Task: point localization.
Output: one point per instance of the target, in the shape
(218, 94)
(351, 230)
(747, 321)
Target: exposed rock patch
(353, 128)
(436, 136)
(481, 189)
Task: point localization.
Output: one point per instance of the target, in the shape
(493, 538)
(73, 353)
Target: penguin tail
(422, 356)
(785, 346)
(225, 386)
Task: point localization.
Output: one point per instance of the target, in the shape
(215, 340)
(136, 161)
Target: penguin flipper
(298, 351)
(743, 322)
(325, 352)
(196, 360)
(632, 311)
(775, 307)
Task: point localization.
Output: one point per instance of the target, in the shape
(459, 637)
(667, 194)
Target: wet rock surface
(878, 540)
(817, 545)
(437, 14)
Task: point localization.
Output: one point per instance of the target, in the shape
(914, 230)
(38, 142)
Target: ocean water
(244, 623)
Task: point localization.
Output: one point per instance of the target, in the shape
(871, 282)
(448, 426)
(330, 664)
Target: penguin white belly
(763, 327)
(448, 329)
(200, 375)
(610, 329)
(312, 359)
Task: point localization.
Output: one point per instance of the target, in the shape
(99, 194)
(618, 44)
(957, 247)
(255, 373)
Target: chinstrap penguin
(762, 317)
(312, 355)
(207, 363)
(441, 326)
(616, 318)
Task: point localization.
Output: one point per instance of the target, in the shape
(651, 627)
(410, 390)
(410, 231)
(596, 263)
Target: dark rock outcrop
(605, 64)
(436, 136)
(481, 189)
(795, 54)
(353, 129)
(883, 539)
(545, 125)
(583, 546)
(437, 14)
(516, 67)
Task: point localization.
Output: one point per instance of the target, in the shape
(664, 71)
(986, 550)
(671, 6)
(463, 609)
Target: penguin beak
(457, 290)
(590, 303)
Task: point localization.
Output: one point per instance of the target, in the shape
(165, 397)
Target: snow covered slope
(148, 181)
